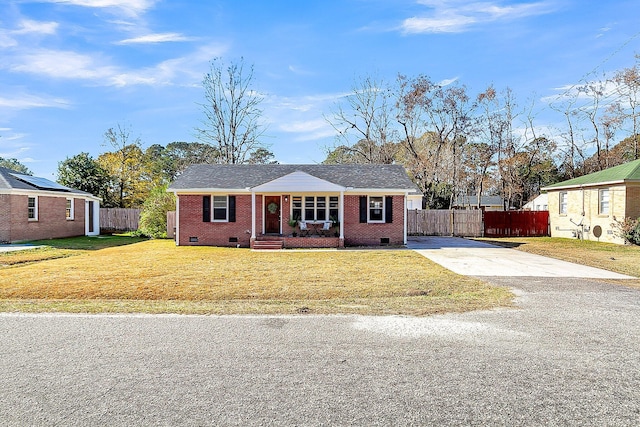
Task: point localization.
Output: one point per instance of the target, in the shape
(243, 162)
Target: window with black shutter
(388, 209)
(232, 208)
(363, 209)
(206, 209)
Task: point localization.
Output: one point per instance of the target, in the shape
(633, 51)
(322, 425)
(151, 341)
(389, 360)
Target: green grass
(63, 248)
(156, 276)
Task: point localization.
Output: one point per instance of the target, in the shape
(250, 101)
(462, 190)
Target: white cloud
(63, 65)
(186, 71)
(454, 16)
(447, 82)
(131, 8)
(24, 101)
(157, 38)
(28, 26)
(301, 117)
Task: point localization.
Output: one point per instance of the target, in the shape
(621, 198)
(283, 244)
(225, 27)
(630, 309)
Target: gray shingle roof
(243, 176)
(8, 181)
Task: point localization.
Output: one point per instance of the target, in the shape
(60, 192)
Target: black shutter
(388, 209)
(232, 208)
(206, 208)
(363, 209)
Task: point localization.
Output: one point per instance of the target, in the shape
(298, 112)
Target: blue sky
(71, 69)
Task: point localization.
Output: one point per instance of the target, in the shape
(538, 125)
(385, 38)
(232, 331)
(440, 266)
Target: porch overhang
(298, 182)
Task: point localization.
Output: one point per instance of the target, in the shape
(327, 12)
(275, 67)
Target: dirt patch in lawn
(158, 277)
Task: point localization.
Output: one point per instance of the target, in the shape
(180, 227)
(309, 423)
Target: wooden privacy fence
(445, 222)
(171, 224)
(118, 219)
(476, 223)
(516, 224)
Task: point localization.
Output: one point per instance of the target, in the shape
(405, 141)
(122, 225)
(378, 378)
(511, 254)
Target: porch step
(267, 245)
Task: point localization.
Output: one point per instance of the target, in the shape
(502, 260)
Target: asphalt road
(568, 355)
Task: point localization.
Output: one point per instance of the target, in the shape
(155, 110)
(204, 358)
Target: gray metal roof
(463, 200)
(9, 180)
(248, 176)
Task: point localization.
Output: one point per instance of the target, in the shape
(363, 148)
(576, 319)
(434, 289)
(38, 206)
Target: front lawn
(63, 248)
(158, 277)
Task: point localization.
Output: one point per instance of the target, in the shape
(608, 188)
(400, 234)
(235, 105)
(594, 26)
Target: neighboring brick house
(33, 208)
(237, 205)
(588, 206)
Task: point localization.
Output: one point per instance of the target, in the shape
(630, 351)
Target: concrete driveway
(15, 247)
(473, 258)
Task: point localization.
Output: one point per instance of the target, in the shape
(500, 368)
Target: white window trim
(327, 207)
(566, 203)
(35, 208)
(213, 214)
(376, 221)
(71, 216)
(600, 210)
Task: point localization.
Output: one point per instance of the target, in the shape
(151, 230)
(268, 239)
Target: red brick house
(33, 208)
(333, 205)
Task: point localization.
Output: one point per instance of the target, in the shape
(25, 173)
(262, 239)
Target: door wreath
(272, 207)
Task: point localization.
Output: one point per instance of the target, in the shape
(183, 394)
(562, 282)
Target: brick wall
(218, 233)
(215, 233)
(633, 200)
(357, 234)
(586, 201)
(51, 223)
(5, 218)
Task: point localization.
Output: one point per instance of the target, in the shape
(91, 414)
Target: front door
(272, 214)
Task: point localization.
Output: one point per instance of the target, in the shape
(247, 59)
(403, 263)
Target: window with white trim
(69, 209)
(603, 201)
(32, 209)
(220, 208)
(563, 202)
(315, 208)
(376, 209)
(334, 212)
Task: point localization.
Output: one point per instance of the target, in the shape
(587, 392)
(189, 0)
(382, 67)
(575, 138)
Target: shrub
(628, 229)
(153, 218)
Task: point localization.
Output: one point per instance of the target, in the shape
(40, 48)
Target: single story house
(328, 205)
(33, 208)
(538, 203)
(487, 203)
(588, 206)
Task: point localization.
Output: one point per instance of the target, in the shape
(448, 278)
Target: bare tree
(440, 116)
(628, 86)
(232, 114)
(364, 125)
(594, 91)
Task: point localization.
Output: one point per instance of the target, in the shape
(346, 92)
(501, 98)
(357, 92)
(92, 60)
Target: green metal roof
(625, 172)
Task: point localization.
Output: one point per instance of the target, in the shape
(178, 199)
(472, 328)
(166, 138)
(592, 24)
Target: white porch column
(341, 215)
(253, 214)
(406, 196)
(177, 219)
